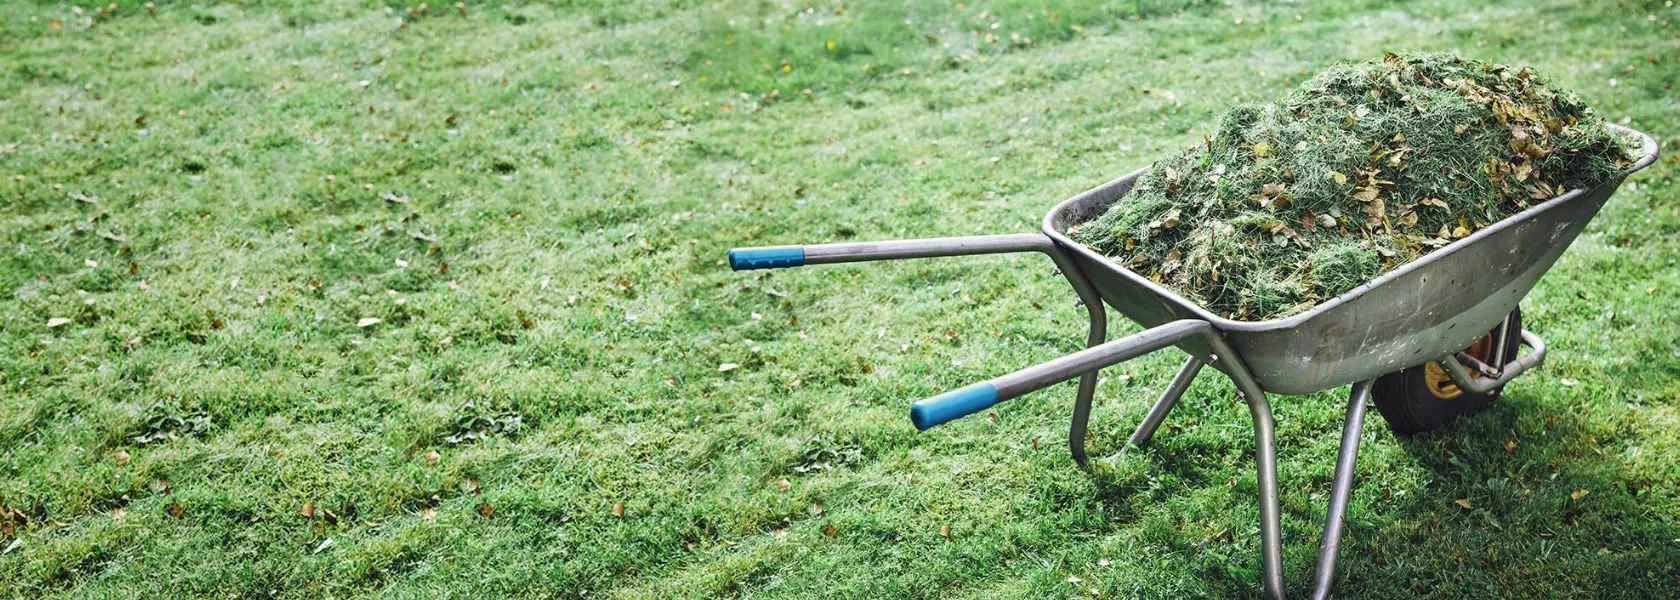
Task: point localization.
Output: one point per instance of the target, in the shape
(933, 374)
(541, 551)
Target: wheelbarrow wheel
(1424, 398)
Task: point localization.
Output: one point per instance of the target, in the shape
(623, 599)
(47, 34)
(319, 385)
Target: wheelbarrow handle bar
(968, 400)
(779, 257)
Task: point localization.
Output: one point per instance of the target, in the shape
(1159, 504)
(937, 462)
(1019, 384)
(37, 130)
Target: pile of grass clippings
(1359, 170)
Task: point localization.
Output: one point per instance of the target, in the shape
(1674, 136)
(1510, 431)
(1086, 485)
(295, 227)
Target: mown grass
(535, 200)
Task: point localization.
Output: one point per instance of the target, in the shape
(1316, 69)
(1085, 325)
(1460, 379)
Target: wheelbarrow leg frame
(1099, 353)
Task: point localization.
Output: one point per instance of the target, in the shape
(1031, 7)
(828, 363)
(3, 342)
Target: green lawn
(206, 209)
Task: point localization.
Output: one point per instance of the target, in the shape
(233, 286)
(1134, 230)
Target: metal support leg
(1099, 333)
(1265, 459)
(1169, 398)
(1340, 488)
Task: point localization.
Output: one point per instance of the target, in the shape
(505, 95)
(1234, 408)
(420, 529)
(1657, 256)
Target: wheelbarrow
(1437, 337)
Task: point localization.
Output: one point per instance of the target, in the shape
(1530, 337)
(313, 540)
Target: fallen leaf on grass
(783, 485)
(486, 510)
(945, 531)
(1579, 494)
(175, 510)
(1464, 502)
(830, 531)
(366, 322)
(326, 543)
(432, 457)
(726, 367)
(307, 510)
(618, 509)
(56, 322)
(427, 514)
(121, 457)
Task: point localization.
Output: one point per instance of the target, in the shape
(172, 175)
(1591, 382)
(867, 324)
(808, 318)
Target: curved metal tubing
(1265, 459)
(1169, 398)
(1341, 487)
(1098, 313)
(1461, 376)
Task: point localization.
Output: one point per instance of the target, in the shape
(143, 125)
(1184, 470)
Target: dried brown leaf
(1171, 219)
(1374, 213)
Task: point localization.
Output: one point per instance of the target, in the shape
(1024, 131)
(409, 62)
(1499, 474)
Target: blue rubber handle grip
(768, 257)
(954, 404)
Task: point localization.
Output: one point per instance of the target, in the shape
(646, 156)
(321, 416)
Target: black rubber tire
(1406, 402)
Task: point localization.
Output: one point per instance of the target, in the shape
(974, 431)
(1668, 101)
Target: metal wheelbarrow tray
(1426, 311)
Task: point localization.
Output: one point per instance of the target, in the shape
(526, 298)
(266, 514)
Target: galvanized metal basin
(1426, 309)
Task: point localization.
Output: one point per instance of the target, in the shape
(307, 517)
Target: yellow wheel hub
(1441, 385)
